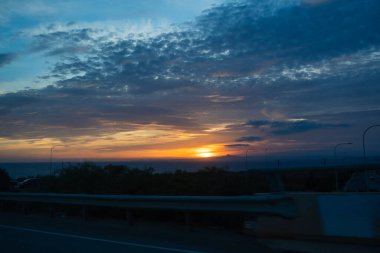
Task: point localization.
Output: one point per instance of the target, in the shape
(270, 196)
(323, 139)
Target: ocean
(32, 169)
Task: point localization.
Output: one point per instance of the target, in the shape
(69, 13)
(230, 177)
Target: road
(39, 234)
(21, 239)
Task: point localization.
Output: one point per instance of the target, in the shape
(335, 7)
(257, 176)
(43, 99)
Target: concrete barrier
(341, 216)
(350, 214)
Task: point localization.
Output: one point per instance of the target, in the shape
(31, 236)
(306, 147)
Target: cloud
(64, 112)
(237, 145)
(6, 58)
(61, 42)
(225, 99)
(249, 139)
(35, 8)
(292, 126)
(263, 42)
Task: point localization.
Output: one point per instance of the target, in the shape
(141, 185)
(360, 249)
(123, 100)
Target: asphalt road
(39, 234)
(21, 239)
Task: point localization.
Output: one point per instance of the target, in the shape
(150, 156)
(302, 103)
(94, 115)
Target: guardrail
(260, 204)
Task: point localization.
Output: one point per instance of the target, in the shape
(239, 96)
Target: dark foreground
(34, 233)
(39, 234)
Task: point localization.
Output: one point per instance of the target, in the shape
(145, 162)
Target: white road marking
(99, 239)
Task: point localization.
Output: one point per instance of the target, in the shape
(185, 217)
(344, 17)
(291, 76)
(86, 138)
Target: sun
(205, 153)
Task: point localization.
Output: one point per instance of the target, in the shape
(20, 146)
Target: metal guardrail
(260, 204)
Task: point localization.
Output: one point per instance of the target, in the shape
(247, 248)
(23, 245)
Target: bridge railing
(271, 204)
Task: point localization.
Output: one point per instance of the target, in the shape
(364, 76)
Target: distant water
(17, 170)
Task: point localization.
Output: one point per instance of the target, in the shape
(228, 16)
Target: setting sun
(205, 153)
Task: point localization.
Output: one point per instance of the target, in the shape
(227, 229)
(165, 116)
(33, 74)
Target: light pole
(51, 156)
(336, 147)
(364, 153)
(336, 163)
(246, 156)
(364, 133)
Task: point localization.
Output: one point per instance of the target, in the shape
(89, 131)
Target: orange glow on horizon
(84, 148)
(205, 153)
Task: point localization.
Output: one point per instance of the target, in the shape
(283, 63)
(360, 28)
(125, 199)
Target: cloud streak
(249, 139)
(292, 126)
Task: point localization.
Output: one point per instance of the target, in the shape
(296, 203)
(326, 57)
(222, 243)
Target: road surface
(39, 234)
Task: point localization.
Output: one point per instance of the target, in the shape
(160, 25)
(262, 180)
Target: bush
(5, 180)
(90, 178)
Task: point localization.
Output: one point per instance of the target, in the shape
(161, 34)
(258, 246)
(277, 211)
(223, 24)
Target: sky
(169, 79)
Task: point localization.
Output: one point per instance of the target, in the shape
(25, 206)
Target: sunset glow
(205, 153)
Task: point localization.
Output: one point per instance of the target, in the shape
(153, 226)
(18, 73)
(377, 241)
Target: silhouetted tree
(5, 180)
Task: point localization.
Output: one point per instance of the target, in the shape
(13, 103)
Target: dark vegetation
(5, 181)
(89, 178)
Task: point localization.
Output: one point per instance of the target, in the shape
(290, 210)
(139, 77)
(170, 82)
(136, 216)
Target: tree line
(90, 178)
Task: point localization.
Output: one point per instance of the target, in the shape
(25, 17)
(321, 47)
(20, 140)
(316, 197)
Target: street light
(336, 163)
(364, 133)
(51, 156)
(336, 147)
(246, 156)
(364, 153)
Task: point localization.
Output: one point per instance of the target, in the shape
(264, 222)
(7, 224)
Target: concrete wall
(328, 215)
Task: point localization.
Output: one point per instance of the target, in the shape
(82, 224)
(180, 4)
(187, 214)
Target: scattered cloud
(34, 8)
(6, 58)
(292, 126)
(225, 99)
(193, 56)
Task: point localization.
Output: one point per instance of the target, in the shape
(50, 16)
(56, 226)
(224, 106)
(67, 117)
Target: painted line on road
(99, 239)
